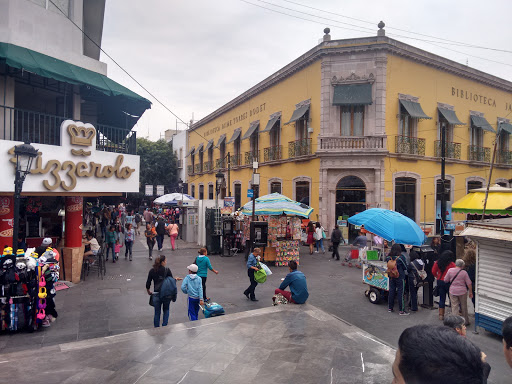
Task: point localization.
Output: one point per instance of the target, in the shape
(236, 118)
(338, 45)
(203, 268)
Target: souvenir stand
(284, 217)
(26, 289)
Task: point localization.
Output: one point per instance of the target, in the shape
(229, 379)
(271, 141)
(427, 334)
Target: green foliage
(158, 164)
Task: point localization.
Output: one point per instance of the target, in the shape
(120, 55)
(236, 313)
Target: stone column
(6, 221)
(73, 252)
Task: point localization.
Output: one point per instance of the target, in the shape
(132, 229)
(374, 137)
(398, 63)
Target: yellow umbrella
(499, 201)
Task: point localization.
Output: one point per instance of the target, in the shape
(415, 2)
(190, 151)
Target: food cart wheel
(374, 296)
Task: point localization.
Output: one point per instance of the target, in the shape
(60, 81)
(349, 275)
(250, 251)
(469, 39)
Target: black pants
(335, 253)
(204, 287)
(160, 241)
(151, 245)
(252, 287)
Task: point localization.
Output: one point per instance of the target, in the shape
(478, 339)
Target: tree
(158, 165)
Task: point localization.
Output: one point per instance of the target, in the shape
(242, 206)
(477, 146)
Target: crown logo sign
(81, 135)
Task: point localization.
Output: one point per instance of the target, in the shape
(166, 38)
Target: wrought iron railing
(42, 128)
(504, 157)
(208, 166)
(452, 149)
(352, 143)
(236, 160)
(410, 145)
(272, 153)
(220, 164)
(197, 168)
(251, 156)
(299, 148)
(190, 169)
(477, 153)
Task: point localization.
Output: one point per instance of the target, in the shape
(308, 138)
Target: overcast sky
(197, 55)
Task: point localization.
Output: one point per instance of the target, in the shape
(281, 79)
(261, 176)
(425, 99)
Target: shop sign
(159, 190)
(149, 190)
(229, 201)
(342, 223)
(74, 166)
(250, 193)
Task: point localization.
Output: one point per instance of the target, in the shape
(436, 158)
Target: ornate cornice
(353, 79)
(383, 45)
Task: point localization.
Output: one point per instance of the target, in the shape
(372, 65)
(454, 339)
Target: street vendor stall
(284, 217)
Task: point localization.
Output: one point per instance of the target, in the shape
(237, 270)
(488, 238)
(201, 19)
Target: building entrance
(350, 199)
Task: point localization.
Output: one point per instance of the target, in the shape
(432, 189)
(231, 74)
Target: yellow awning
(499, 201)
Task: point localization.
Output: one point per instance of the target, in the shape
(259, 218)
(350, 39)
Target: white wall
(179, 140)
(30, 25)
(201, 228)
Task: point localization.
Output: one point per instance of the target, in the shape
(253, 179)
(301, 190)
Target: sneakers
(316, 251)
(150, 258)
(402, 313)
(46, 323)
(390, 310)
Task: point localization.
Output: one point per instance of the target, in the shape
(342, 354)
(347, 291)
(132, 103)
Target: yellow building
(356, 123)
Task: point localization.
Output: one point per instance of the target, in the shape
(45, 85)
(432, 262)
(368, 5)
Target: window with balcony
(504, 155)
(476, 150)
(210, 192)
(275, 187)
(201, 192)
(192, 162)
(352, 120)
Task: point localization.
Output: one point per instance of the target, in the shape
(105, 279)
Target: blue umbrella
(389, 225)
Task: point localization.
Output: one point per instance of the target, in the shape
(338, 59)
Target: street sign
(250, 193)
(149, 190)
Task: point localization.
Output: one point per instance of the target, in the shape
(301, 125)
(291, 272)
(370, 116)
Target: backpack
(168, 289)
(138, 218)
(160, 230)
(392, 269)
(421, 272)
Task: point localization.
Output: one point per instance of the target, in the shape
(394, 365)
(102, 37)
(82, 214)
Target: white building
(179, 146)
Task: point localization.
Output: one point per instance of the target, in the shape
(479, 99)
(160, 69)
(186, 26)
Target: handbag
(151, 300)
(435, 292)
(324, 236)
(266, 269)
(260, 276)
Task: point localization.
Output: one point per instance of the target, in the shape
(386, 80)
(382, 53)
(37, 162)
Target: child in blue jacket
(203, 264)
(193, 286)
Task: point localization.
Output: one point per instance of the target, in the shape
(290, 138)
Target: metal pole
(15, 228)
(490, 171)
(443, 175)
(424, 212)
(229, 174)
(253, 196)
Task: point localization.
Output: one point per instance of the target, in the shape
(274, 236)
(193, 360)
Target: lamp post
(219, 176)
(25, 154)
(180, 186)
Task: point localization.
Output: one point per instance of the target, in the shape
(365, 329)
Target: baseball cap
(46, 241)
(193, 268)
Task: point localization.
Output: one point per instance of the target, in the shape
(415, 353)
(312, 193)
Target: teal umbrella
(277, 204)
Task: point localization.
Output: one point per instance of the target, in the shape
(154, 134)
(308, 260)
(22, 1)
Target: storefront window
(238, 195)
(350, 199)
(405, 196)
(275, 187)
(302, 192)
(352, 120)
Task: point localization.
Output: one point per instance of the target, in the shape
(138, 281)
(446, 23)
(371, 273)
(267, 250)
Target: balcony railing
(476, 153)
(252, 156)
(197, 168)
(220, 164)
(190, 169)
(452, 150)
(504, 157)
(352, 143)
(410, 145)
(236, 160)
(208, 166)
(35, 127)
(299, 148)
(272, 153)
(180, 163)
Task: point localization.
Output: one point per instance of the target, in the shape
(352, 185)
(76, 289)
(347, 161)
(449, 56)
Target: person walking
(173, 233)
(157, 275)
(252, 266)
(203, 264)
(319, 237)
(150, 234)
(193, 287)
(460, 285)
(110, 241)
(138, 221)
(130, 218)
(336, 239)
(160, 231)
(148, 216)
(439, 270)
(396, 275)
(129, 237)
(470, 266)
(414, 269)
(310, 230)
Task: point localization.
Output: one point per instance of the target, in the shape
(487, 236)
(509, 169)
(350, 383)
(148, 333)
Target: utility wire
(124, 70)
(399, 29)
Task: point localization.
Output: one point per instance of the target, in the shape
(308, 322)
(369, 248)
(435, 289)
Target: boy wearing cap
(193, 286)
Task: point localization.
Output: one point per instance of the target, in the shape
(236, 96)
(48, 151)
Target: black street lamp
(25, 154)
(219, 176)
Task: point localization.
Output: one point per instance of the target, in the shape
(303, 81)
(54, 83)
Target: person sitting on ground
(430, 354)
(93, 243)
(296, 280)
(506, 331)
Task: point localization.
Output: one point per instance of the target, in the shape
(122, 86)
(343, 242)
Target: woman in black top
(157, 274)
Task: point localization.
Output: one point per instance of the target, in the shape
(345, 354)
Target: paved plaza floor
(103, 310)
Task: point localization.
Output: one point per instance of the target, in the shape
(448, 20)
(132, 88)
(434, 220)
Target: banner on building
(149, 190)
(159, 190)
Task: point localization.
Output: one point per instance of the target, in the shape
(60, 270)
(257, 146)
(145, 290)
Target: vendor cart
(376, 276)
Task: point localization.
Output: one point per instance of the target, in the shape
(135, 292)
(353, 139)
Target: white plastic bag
(266, 269)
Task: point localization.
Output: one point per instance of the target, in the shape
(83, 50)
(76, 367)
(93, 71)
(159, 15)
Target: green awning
(209, 145)
(199, 149)
(271, 123)
(450, 116)
(505, 126)
(480, 122)
(190, 151)
(50, 67)
(414, 109)
(222, 138)
(298, 113)
(236, 135)
(253, 128)
(352, 94)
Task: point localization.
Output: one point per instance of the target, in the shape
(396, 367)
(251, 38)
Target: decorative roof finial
(381, 31)
(327, 37)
